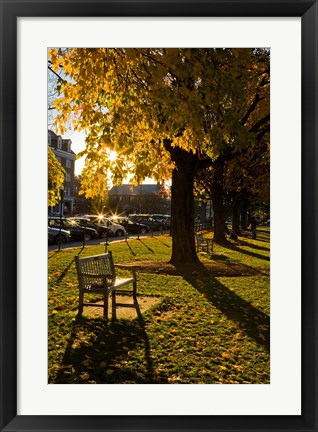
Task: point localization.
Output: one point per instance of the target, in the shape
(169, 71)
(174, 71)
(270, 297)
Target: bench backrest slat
(95, 265)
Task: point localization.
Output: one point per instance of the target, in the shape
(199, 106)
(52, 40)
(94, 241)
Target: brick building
(144, 198)
(64, 154)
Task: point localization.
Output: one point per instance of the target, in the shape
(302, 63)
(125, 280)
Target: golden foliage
(55, 178)
(131, 100)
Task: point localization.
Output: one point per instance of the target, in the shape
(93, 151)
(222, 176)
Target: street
(53, 247)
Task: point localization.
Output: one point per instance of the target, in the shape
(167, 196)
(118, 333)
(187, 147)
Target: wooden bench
(203, 244)
(97, 274)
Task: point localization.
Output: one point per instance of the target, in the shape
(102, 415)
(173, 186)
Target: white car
(113, 228)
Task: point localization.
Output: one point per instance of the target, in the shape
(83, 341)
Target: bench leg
(80, 301)
(135, 293)
(106, 305)
(113, 305)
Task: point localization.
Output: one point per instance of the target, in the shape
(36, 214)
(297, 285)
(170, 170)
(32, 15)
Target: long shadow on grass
(253, 246)
(165, 244)
(231, 246)
(130, 248)
(151, 250)
(101, 353)
(259, 237)
(251, 321)
(52, 255)
(229, 263)
(64, 272)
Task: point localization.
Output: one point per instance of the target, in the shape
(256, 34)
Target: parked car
(130, 226)
(57, 236)
(102, 230)
(78, 233)
(153, 224)
(114, 229)
(164, 219)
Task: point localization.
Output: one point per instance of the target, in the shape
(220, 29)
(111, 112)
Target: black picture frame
(10, 11)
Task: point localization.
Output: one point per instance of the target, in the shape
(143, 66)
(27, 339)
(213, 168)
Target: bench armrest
(127, 267)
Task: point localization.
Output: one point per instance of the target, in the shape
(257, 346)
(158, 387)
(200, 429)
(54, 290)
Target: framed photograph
(286, 398)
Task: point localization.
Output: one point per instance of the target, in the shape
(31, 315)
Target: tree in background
(166, 112)
(56, 175)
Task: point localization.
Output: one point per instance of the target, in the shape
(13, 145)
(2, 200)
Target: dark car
(102, 230)
(147, 220)
(57, 236)
(130, 226)
(164, 219)
(78, 233)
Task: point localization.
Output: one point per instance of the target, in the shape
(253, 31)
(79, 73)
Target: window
(67, 191)
(59, 142)
(49, 139)
(68, 163)
(68, 177)
(69, 146)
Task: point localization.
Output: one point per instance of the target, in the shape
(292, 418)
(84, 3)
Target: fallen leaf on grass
(174, 378)
(225, 355)
(85, 376)
(62, 367)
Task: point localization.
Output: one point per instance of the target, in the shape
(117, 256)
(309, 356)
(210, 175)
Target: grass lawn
(210, 327)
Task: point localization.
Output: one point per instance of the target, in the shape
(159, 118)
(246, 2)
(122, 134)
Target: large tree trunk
(243, 208)
(236, 216)
(218, 203)
(182, 206)
(182, 211)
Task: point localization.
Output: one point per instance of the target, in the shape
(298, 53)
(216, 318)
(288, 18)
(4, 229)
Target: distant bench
(203, 244)
(97, 274)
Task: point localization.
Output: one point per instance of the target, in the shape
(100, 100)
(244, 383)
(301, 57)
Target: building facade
(65, 155)
(144, 198)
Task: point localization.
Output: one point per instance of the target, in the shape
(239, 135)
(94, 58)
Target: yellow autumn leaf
(109, 371)
(225, 355)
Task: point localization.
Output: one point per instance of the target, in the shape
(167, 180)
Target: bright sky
(78, 144)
